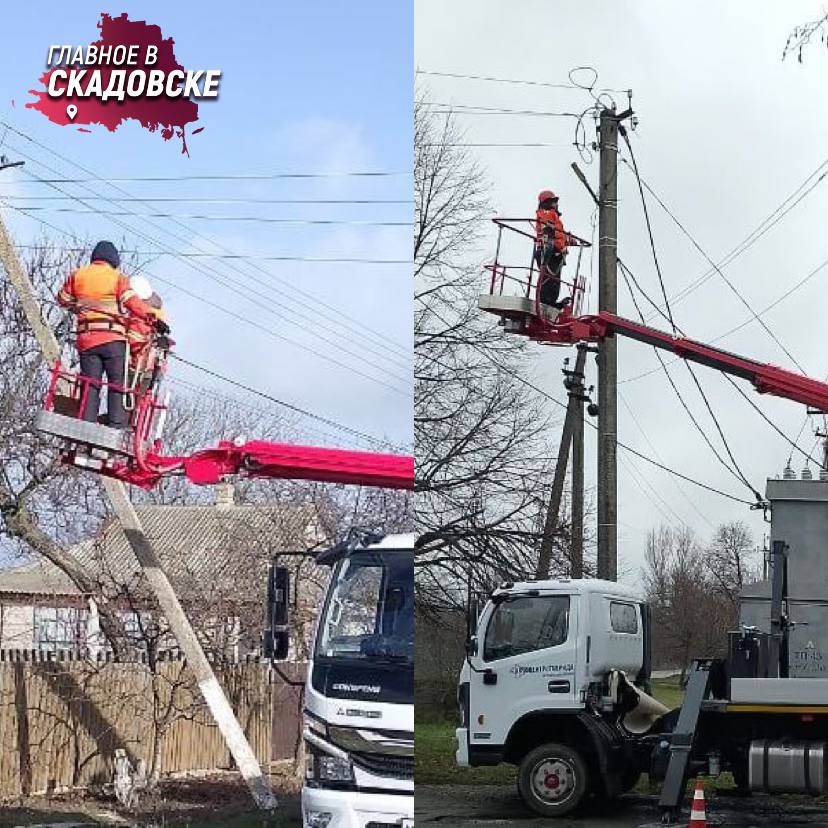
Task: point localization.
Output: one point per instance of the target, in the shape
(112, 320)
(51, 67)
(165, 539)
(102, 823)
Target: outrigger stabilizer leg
(682, 742)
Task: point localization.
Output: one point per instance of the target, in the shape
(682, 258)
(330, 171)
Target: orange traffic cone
(698, 819)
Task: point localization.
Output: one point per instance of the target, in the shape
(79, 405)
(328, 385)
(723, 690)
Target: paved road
(461, 806)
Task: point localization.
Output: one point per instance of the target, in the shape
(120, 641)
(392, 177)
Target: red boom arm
(135, 457)
(766, 379)
(281, 460)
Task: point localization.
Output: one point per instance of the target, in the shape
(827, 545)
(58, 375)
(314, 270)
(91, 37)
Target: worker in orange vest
(100, 295)
(141, 335)
(551, 243)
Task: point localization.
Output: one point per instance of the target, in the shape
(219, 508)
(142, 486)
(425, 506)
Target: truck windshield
(369, 614)
(526, 623)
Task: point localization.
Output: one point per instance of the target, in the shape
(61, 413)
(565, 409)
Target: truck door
(526, 660)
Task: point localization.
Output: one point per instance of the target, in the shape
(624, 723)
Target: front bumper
(461, 756)
(354, 809)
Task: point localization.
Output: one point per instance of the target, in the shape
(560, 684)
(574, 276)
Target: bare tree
(730, 560)
(804, 34)
(690, 617)
(482, 453)
(44, 506)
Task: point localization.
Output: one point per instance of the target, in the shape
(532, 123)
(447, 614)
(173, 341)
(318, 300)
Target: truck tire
(552, 780)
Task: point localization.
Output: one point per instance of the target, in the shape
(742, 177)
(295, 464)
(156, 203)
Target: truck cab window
(623, 617)
(368, 615)
(526, 623)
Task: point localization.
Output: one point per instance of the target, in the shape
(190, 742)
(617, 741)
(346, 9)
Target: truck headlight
(323, 768)
(318, 819)
(333, 769)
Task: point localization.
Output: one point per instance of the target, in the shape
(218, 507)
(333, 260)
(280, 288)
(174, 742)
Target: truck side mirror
(472, 613)
(276, 635)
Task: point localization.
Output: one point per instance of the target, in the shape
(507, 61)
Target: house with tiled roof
(216, 557)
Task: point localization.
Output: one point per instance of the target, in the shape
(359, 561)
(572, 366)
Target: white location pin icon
(71, 111)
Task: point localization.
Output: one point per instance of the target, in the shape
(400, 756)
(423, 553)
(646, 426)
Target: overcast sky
(306, 88)
(727, 131)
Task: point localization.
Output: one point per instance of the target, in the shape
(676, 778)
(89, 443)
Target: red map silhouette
(169, 115)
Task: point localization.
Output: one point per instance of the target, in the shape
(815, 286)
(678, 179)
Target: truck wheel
(552, 780)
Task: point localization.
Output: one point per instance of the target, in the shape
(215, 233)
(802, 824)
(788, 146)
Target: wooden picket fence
(62, 717)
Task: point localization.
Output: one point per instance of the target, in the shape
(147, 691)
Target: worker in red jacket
(100, 295)
(551, 243)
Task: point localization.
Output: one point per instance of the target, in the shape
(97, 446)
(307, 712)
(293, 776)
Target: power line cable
(657, 310)
(637, 453)
(649, 442)
(238, 177)
(791, 201)
(335, 314)
(468, 109)
(232, 256)
(793, 443)
(547, 84)
(740, 474)
(754, 315)
(499, 145)
(650, 492)
(239, 317)
(710, 261)
(300, 425)
(623, 132)
(771, 423)
(458, 75)
(733, 471)
(213, 200)
(258, 298)
(202, 217)
(281, 403)
(592, 425)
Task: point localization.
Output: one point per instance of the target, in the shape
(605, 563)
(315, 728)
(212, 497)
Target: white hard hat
(141, 286)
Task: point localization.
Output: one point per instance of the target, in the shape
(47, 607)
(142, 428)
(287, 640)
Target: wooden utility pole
(208, 684)
(553, 509)
(576, 542)
(607, 564)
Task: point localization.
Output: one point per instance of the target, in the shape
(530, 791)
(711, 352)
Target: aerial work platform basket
(515, 290)
(95, 445)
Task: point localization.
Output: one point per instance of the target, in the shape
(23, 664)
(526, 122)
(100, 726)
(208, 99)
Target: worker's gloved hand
(162, 327)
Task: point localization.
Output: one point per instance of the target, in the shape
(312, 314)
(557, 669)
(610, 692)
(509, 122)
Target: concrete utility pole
(576, 543)
(607, 348)
(211, 690)
(574, 384)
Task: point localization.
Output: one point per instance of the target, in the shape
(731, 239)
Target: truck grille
(397, 767)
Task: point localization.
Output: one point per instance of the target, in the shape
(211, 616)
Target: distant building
(216, 557)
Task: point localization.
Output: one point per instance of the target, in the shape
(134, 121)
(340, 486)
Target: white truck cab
(359, 695)
(545, 656)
